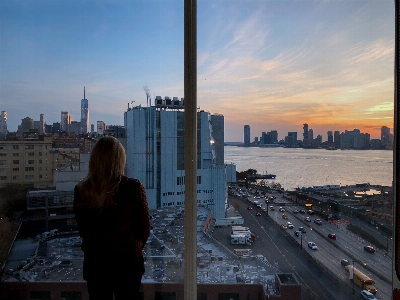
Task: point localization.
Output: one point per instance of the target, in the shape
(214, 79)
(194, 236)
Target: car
(289, 225)
(332, 236)
(283, 226)
(310, 212)
(367, 295)
(302, 229)
(312, 245)
(281, 209)
(345, 262)
(369, 249)
(272, 208)
(308, 219)
(302, 211)
(258, 214)
(263, 208)
(284, 216)
(250, 208)
(318, 221)
(295, 211)
(297, 233)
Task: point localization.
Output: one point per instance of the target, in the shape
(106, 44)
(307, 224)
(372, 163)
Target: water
(297, 167)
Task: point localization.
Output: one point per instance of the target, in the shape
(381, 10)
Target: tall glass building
(246, 135)
(84, 114)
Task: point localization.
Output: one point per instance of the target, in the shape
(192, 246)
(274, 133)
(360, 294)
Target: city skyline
(274, 63)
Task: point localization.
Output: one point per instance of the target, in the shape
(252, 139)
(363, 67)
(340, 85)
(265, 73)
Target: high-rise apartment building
(155, 155)
(305, 135)
(65, 121)
(101, 127)
(3, 123)
(41, 128)
(310, 137)
(336, 139)
(330, 138)
(291, 140)
(246, 136)
(84, 114)
(386, 138)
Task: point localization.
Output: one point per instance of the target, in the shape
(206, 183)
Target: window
(3, 169)
(29, 147)
(40, 153)
(29, 169)
(16, 154)
(29, 176)
(15, 177)
(16, 169)
(3, 154)
(29, 154)
(15, 147)
(40, 147)
(3, 162)
(3, 177)
(15, 162)
(40, 161)
(29, 162)
(3, 147)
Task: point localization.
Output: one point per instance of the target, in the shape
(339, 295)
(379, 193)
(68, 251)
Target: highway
(318, 270)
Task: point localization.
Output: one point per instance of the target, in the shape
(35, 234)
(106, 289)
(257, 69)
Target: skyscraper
(84, 114)
(65, 121)
(305, 135)
(246, 135)
(155, 156)
(41, 128)
(330, 138)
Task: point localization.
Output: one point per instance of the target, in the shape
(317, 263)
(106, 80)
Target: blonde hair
(106, 167)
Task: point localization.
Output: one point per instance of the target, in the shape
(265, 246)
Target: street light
(353, 277)
(267, 208)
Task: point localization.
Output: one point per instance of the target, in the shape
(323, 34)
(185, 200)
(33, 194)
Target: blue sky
(272, 64)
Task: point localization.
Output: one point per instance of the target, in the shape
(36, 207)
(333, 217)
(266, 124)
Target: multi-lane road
(320, 270)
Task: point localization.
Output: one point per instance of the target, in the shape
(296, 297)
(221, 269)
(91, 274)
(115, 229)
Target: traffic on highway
(328, 243)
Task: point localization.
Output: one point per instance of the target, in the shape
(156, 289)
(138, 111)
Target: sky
(270, 64)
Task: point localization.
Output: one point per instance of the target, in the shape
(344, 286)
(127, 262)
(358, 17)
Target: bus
(360, 279)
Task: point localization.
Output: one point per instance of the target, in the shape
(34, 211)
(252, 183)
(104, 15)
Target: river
(297, 167)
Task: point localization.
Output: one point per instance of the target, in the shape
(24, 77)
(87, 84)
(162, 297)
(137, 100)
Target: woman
(113, 218)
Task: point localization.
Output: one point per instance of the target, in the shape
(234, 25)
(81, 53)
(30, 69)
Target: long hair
(106, 167)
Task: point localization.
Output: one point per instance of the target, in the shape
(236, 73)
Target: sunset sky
(271, 64)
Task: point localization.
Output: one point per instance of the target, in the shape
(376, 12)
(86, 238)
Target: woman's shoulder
(130, 182)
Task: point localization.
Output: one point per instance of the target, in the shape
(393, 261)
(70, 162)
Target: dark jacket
(121, 228)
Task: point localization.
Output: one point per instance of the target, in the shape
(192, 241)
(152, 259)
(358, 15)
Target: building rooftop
(59, 258)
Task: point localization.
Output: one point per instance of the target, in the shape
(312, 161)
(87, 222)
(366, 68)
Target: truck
(228, 221)
(240, 239)
(246, 233)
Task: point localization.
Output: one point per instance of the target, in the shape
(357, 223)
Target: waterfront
(297, 167)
